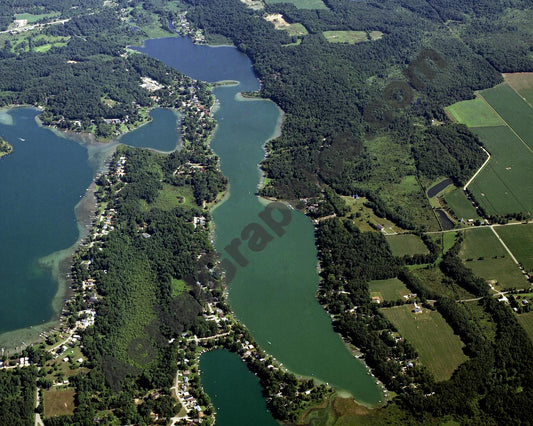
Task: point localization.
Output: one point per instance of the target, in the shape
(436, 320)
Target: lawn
(484, 254)
(513, 109)
(500, 188)
(391, 289)
(460, 206)
(301, 4)
(519, 239)
(475, 113)
(439, 349)
(526, 320)
(58, 402)
(406, 244)
(350, 37)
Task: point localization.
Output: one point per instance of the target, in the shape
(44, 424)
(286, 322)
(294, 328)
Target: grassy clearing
(435, 280)
(172, 196)
(301, 4)
(439, 349)
(474, 113)
(58, 402)
(484, 254)
(34, 18)
(364, 216)
(177, 287)
(407, 244)
(522, 82)
(391, 289)
(296, 30)
(513, 109)
(519, 239)
(460, 206)
(350, 37)
(526, 320)
(500, 188)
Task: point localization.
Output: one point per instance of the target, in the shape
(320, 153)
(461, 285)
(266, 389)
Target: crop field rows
(502, 117)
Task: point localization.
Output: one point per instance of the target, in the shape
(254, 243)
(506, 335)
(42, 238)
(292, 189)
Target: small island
(5, 148)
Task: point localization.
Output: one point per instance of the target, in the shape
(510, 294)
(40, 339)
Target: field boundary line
(479, 170)
(519, 94)
(505, 246)
(507, 124)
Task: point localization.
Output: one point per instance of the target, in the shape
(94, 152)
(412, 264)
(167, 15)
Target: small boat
(22, 139)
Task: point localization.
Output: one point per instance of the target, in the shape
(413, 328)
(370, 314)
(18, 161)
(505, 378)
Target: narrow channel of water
(274, 295)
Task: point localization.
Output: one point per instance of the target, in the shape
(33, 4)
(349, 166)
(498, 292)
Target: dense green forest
(17, 396)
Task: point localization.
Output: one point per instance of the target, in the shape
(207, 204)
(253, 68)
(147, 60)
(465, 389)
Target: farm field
(484, 254)
(31, 18)
(364, 216)
(475, 113)
(439, 349)
(460, 205)
(58, 402)
(500, 188)
(406, 244)
(513, 109)
(351, 37)
(391, 289)
(301, 4)
(526, 320)
(522, 82)
(519, 239)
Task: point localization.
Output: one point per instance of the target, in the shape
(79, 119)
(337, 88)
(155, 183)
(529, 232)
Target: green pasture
(439, 349)
(391, 289)
(480, 242)
(301, 4)
(406, 244)
(501, 186)
(513, 109)
(460, 205)
(519, 239)
(475, 113)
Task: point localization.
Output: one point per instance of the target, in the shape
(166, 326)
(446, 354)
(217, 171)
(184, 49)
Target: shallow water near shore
(274, 295)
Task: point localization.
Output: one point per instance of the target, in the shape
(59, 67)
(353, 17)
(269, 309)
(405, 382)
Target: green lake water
(274, 295)
(234, 391)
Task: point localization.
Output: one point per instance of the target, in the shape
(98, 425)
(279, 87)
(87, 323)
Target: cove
(235, 393)
(274, 295)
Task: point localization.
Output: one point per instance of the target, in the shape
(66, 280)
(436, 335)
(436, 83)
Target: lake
(274, 295)
(42, 183)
